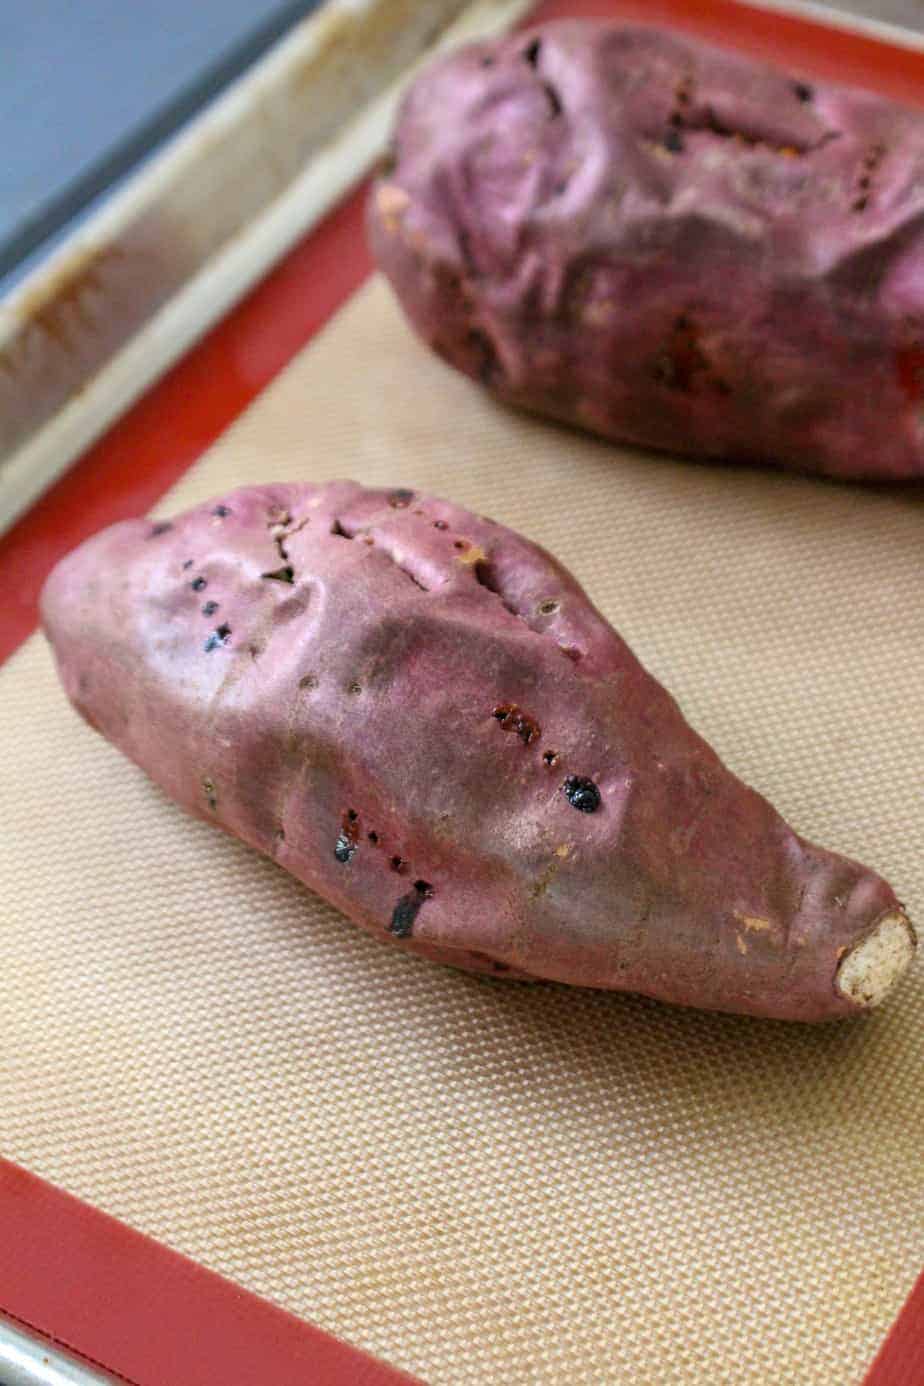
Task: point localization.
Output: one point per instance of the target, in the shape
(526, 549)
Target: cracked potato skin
(667, 245)
(420, 715)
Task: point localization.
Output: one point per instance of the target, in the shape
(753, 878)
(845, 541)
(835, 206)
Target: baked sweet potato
(421, 715)
(666, 244)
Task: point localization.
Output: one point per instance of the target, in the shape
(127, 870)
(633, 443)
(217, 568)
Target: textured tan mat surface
(487, 1182)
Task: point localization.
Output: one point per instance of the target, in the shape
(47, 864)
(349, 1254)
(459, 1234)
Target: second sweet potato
(667, 244)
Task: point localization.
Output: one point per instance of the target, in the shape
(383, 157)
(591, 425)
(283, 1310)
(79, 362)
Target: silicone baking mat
(475, 1180)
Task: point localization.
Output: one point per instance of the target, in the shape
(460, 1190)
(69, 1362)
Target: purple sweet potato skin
(407, 724)
(667, 245)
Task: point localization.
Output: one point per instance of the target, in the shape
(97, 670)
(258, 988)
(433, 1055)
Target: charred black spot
(308, 681)
(440, 524)
(548, 607)
(344, 850)
(513, 718)
(802, 91)
(348, 841)
(187, 564)
(404, 915)
(198, 584)
(550, 757)
(338, 531)
(673, 141)
(398, 864)
(582, 794)
(400, 499)
(219, 636)
(209, 609)
(531, 52)
(861, 204)
(221, 511)
(354, 687)
(373, 838)
(161, 528)
(283, 574)
(487, 62)
(554, 100)
(407, 909)
(460, 544)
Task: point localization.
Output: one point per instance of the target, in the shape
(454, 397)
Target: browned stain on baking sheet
(62, 301)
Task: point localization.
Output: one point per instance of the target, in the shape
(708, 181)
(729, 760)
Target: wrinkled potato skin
(667, 245)
(397, 725)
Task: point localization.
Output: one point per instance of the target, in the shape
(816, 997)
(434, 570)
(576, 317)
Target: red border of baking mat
(131, 1305)
(900, 1360)
(67, 1269)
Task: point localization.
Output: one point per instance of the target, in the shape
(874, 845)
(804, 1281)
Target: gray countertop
(88, 89)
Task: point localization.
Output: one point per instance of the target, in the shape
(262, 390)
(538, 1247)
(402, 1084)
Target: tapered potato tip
(871, 969)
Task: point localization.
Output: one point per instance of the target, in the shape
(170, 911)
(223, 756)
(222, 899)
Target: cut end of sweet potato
(871, 969)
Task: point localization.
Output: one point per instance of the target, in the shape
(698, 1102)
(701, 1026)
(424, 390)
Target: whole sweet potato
(420, 715)
(669, 245)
